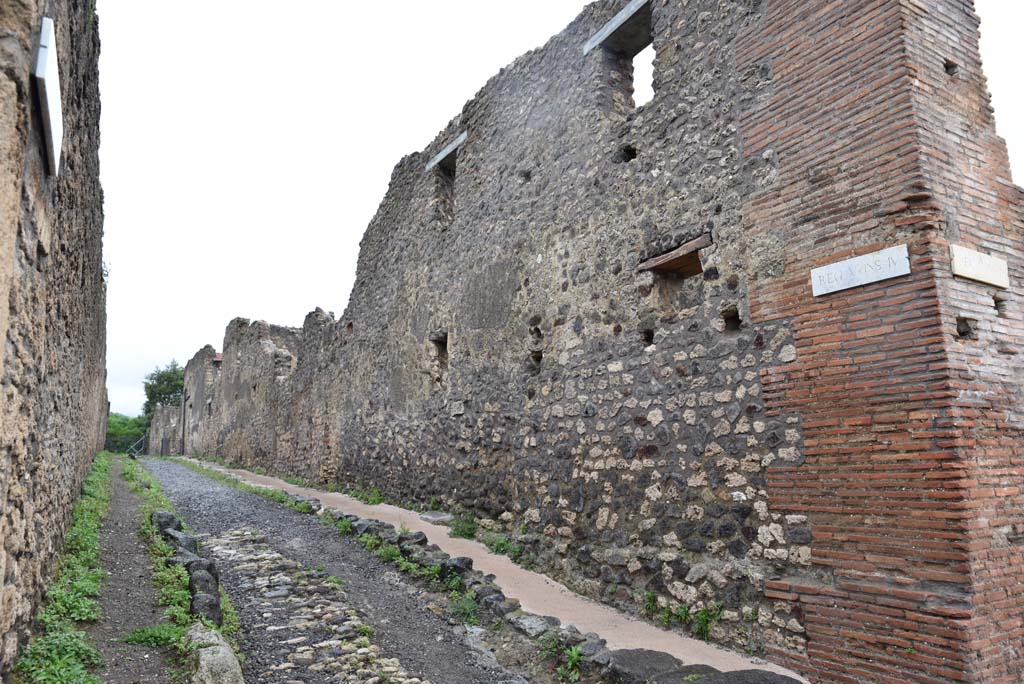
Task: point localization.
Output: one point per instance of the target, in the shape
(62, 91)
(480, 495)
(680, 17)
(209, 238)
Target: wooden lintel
(684, 259)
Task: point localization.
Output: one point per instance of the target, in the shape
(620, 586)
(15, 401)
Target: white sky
(246, 145)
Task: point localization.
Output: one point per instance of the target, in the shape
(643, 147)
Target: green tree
(123, 431)
(163, 386)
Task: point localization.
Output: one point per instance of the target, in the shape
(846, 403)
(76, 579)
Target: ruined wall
(53, 404)
(165, 431)
(842, 473)
(238, 405)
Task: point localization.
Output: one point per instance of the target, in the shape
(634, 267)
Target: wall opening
(966, 328)
(444, 168)
(445, 187)
(731, 319)
(440, 342)
(628, 39)
(643, 76)
(647, 335)
(625, 154)
(1000, 303)
(952, 68)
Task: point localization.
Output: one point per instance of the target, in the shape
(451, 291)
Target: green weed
(650, 603)
(705, 619)
(371, 497)
(61, 654)
(502, 545)
(389, 553)
(370, 542)
(550, 645)
(464, 607)
(569, 671)
(463, 525)
(160, 636)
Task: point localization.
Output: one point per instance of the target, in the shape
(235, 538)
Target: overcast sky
(246, 144)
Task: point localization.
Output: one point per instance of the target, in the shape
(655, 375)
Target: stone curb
(212, 660)
(635, 666)
(203, 576)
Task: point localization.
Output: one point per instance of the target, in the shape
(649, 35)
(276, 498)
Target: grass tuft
(463, 525)
(160, 636)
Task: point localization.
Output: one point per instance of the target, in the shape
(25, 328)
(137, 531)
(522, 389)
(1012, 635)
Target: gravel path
(426, 644)
(128, 598)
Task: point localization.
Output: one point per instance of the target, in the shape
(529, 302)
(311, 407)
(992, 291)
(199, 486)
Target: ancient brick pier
(596, 325)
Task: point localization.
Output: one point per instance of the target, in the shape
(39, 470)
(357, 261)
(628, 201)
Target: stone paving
(318, 635)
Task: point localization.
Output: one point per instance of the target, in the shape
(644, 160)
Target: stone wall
(843, 473)
(165, 431)
(53, 404)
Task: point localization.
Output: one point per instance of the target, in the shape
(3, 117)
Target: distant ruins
(596, 326)
(53, 405)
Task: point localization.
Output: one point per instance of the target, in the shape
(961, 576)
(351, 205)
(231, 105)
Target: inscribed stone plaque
(973, 265)
(868, 268)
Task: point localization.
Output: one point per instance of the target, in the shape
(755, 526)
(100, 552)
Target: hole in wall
(966, 328)
(732, 320)
(524, 175)
(647, 334)
(349, 328)
(999, 301)
(625, 154)
(440, 342)
(952, 68)
(536, 358)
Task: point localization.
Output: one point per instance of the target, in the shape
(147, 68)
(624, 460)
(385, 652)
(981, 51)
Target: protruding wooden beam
(684, 260)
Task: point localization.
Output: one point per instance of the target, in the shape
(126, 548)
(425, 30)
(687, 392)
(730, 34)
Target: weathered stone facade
(53, 404)
(844, 474)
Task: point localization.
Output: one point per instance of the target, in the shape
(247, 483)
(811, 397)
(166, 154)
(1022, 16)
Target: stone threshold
(536, 593)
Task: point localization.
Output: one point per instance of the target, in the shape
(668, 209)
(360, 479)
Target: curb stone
(638, 666)
(625, 665)
(204, 578)
(213, 661)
